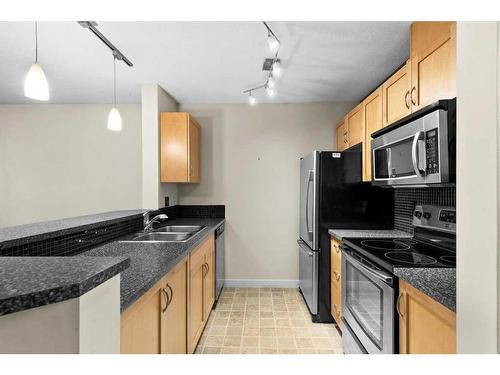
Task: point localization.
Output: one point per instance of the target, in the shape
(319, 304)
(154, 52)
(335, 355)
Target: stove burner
(410, 257)
(452, 259)
(385, 245)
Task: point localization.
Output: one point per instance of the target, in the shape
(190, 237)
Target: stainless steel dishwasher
(219, 261)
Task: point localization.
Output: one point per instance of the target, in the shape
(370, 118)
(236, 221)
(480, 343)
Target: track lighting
(270, 92)
(272, 43)
(114, 117)
(271, 82)
(276, 69)
(35, 84)
(252, 100)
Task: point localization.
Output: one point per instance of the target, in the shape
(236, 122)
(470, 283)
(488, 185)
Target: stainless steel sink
(179, 229)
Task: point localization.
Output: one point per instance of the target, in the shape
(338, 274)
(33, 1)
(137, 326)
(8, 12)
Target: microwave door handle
(414, 152)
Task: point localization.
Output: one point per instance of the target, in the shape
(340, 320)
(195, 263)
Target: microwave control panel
(431, 151)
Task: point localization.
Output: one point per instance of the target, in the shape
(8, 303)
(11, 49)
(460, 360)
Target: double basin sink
(169, 233)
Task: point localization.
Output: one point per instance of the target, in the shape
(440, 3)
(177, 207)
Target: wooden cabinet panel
(140, 331)
(355, 126)
(335, 281)
(425, 326)
(180, 137)
(194, 150)
(209, 295)
(372, 108)
(433, 59)
(341, 135)
(174, 311)
(396, 95)
(196, 302)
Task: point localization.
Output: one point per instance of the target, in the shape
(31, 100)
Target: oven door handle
(415, 158)
(382, 276)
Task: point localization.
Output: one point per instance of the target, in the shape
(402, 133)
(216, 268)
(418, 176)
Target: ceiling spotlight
(272, 43)
(270, 92)
(252, 100)
(277, 69)
(35, 84)
(271, 82)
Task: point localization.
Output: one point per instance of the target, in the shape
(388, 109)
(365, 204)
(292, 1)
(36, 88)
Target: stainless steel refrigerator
(333, 196)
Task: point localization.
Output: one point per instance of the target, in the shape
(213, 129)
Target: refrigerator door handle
(310, 179)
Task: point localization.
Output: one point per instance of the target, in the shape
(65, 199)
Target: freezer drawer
(308, 276)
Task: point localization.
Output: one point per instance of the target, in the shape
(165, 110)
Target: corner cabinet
(372, 113)
(425, 326)
(335, 281)
(180, 138)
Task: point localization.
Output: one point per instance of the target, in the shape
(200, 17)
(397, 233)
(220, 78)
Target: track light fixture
(36, 85)
(272, 66)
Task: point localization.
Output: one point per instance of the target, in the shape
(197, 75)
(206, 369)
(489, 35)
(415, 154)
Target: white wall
(60, 160)
(154, 100)
(250, 163)
(477, 187)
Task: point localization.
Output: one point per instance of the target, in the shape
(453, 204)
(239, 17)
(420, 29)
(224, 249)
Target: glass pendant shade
(272, 43)
(114, 120)
(35, 84)
(277, 69)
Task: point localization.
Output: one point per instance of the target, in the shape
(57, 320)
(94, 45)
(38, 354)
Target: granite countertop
(437, 283)
(149, 262)
(37, 231)
(339, 234)
(28, 282)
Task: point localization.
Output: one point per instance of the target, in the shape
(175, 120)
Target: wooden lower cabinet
(425, 326)
(336, 281)
(201, 290)
(174, 310)
(170, 317)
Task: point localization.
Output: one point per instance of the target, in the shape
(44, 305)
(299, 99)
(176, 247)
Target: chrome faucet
(148, 224)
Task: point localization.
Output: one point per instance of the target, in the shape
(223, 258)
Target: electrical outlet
(167, 201)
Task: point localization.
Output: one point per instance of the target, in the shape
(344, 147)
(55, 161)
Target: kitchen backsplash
(405, 200)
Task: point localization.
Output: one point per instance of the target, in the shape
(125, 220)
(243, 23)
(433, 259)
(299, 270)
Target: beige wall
(60, 160)
(154, 100)
(250, 163)
(477, 187)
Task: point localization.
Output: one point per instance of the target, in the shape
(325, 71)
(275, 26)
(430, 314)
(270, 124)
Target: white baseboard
(260, 283)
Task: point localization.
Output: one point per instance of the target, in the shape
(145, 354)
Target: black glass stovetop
(402, 252)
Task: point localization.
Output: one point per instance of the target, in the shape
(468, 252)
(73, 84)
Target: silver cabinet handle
(171, 294)
(414, 152)
(398, 309)
(414, 89)
(167, 299)
(406, 99)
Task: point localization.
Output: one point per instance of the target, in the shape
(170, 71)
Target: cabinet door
(140, 331)
(174, 146)
(174, 311)
(335, 281)
(196, 299)
(341, 135)
(425, 326)
(433, 62)
(355, 126)
(194, 150)
(396, 95)
(209, 293)
(372, 108)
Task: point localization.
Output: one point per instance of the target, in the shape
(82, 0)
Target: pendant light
(252, 100)
(35, 84)
(114, 117)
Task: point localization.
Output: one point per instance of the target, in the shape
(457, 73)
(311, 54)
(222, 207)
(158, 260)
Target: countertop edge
(61, 293)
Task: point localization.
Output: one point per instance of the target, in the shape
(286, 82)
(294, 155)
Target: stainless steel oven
(368, 300)
(417, 150)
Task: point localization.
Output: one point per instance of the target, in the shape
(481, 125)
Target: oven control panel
(435, 217)
(431, 151)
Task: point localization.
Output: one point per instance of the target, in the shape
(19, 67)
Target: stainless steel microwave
(418, 150)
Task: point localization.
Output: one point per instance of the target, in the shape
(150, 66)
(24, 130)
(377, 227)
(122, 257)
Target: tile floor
(265, 321)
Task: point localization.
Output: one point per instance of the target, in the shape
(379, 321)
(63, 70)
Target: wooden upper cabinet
(174, 310)
(396, 95)
(372, 112)
(341, 135)
(355, 126)
(433, 60)
(180, 138)
(425, 326)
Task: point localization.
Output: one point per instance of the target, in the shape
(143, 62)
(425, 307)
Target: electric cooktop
(403, 252)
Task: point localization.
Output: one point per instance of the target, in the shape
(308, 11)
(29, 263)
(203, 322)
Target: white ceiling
(202, 62)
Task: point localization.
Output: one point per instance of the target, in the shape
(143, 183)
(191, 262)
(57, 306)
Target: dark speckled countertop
(149, 262)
